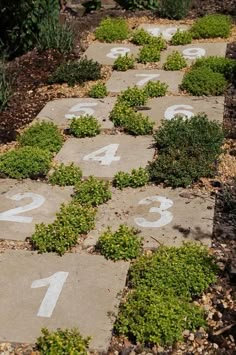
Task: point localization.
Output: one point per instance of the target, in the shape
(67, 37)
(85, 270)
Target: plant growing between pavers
(65, 175)
(123, 244)
(133, 96)
(85, 126)
(141, 37)
(112, 29)
(149, 53)
(137, 178)
(175, 61)
(123, 63)
(181, 38)
(155, 89)
(212, 26)
(221, 65)
(98, 91)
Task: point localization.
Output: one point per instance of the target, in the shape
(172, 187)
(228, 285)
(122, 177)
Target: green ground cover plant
(76, 72)
(149, 53)
(187, 150)
(65, 175)
(44, 135)
(123, 63)
(203, 81)
(181, 38)
(221, 65)
(142, 37)
(120, 113)
(26, 162)
(5, 86)
(212, 26)
(92, 192)
(155, 89)
(175, 61)
(98, 91)
(137, 178)
(61, 342)
(123, 244)
(112, 29)
(133, 96)
(174, 9)
(85, 126)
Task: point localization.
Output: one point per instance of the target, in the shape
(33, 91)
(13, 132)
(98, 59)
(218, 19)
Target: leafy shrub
(181, 38)
(92, 192)
(84, 126)
(98, 91)
(203, 81)
(175, 61)
(138, 125)
(26, 162)
(65, 175)
(156, 88)
(149, 53)
(120, 245)
(212, 26)
(112, 29)
(60, 342)
(139, 4)
(220, 65)
(174, 9)
(137, 178)
(120, 114)
(5, 86)
(133, 97)
(150, 317)
(44, 135)
(141, 37)
(54, 35)
(76, 72)
(123, 63)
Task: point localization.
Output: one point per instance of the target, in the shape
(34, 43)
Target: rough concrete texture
(24, 204)
(166, 31)
(162, 215)
(120, 153)
(196, 50)
(83, 291)
(167, 107)
(122, 80)
(107, 53)
(61, 111)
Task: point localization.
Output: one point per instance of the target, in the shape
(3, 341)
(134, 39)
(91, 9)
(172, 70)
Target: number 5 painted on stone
(55, 282)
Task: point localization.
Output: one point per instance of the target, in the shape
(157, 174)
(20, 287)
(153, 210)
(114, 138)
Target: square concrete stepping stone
(59, 292)
(24, 204)
(166, 31)
(194, 51)
(186, 106)
(63, 110)
(165, 216)
(103, 156)
(107, 53)
(122, 80)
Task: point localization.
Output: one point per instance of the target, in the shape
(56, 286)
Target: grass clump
(149, 53)
(61, 342)
(44, 135)
(175, 61)
(76, 72)
(187, 150)
(155, 89)
(124, 244)
(65, 175)
(92, 192)
(98, 91)
(112, 29)
(123, 63)
(212, 26)
(181, 38)
(85, 126)
(26, 162)
(133, 97)
(5, 86)
(203, 81)
(221, 65)
(137, 178)
(174, 9)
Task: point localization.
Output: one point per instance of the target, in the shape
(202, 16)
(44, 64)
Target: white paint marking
(147, 78)
(194, 53)
(109, 156)
(85, 107)
(118, 51)
(182, 110)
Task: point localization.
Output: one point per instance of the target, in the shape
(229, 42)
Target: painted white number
(115, 52)
(11, 215)
(182, 110)
(55, 282)
(84, 107)
(108, 157)
(147, 78)
(155, 31)
(193, 53)
(169, 32)
(166, 216)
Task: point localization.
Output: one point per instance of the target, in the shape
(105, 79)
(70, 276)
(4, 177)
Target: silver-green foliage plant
(139, 4)
(175, 61)
(65, 175)
(137, 178)
(123, 63)
(212, 26)
(174, 9)
(112, 29)
(85, 126)
(98, 91)
(156, 89)
(181, 38)
(123, 244)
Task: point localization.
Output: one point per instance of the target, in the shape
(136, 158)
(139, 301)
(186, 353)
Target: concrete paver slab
(162, 215)
(24, 204)
(122, 80)
(166, 31)
(103, 156)
(82, 290)
(61, 111)
(194, 51)
(168, 106)
(107, 53)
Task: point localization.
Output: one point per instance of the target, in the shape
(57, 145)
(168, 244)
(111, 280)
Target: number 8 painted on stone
(118, 51)
(166, 216)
